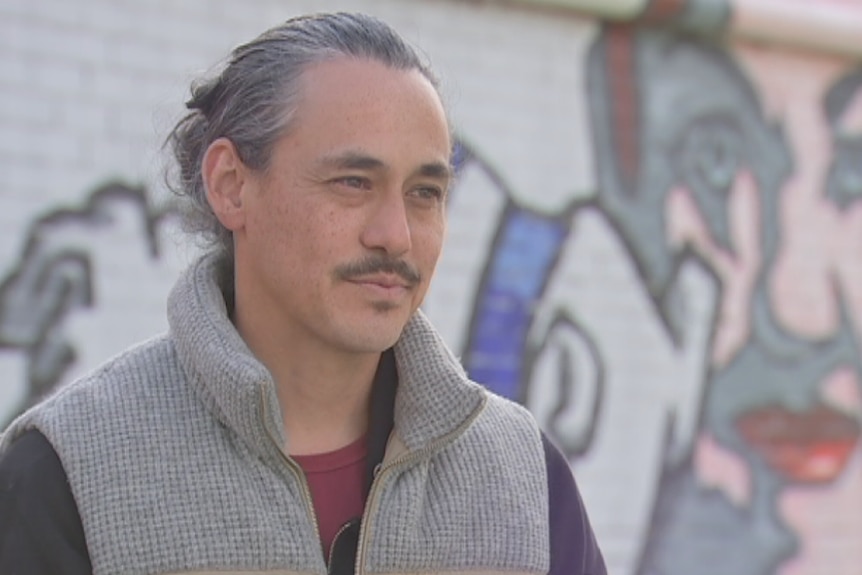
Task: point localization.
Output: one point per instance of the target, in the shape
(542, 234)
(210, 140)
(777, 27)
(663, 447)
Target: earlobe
(223, 175)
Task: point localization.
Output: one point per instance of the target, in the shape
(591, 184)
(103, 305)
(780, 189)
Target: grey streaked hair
(252, 99)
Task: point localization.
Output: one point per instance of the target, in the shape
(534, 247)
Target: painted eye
(845, 177)
(850, 179)
(710, 155)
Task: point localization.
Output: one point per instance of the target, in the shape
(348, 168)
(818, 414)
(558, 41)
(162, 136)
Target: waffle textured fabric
(174, 456)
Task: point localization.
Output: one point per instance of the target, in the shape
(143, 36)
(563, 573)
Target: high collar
(434, 395)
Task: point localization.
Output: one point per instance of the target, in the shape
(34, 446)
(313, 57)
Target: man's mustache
(378, 264)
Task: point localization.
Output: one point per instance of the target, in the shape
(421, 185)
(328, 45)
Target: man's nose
(388, 226)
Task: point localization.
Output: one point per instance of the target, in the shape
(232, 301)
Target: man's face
(344, 227)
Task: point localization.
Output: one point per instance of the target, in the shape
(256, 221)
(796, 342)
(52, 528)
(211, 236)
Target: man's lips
(388, 285)
(811, 446)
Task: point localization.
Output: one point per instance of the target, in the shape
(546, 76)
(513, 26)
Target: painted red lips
(810, 447)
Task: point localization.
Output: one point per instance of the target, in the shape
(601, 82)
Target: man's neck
(324, 394)
(326, 410)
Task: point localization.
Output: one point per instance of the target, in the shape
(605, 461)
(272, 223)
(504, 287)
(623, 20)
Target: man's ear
(224, 175)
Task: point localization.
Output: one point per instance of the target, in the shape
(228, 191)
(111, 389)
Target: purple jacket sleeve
(574, 550)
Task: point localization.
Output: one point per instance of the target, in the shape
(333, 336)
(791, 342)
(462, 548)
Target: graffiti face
(796, 423)
(780, 420)
(683, 151)
(820, 214)
(688, 163)
(650, 331)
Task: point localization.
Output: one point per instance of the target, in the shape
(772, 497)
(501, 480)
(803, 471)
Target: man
(301, 415)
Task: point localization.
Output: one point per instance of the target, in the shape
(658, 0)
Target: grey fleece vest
(172, 453)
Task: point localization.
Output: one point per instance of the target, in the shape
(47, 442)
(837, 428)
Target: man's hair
(253, 98)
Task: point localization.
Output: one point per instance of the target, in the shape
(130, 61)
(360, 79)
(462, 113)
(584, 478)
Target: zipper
(338, 533)
(381, 471)
(294, 467)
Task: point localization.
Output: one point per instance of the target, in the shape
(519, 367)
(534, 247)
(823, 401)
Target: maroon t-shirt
(336, 480)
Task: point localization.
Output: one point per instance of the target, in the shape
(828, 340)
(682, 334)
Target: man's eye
(428, 193)
(354, 182)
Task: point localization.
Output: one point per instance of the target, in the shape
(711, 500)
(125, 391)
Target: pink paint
(827, 523)
(737, 271)
(721, 469)
(814, 255)
(841, 389)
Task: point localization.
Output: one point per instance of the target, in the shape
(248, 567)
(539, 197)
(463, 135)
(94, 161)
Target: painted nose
(388, 228)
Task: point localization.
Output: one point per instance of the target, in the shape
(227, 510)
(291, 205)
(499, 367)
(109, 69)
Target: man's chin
(374, 336)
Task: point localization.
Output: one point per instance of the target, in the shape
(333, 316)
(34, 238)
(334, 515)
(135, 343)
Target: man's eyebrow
(352, 161)
(359, 161)
(437, 170)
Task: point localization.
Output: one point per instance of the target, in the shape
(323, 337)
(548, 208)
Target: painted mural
(90, 281)
(688, 332)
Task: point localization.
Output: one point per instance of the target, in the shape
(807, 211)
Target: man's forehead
(360, 76)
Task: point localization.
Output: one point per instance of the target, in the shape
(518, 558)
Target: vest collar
(433, 398)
